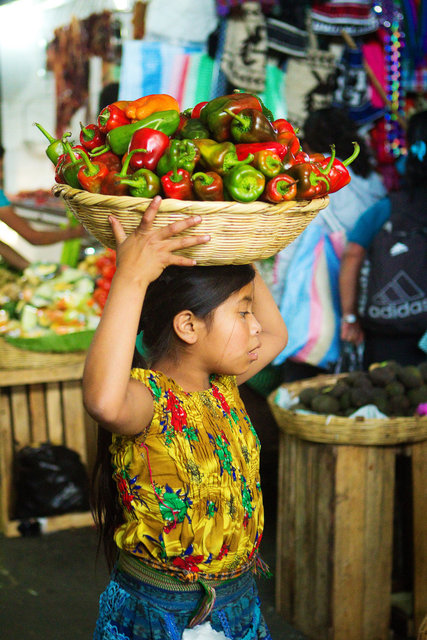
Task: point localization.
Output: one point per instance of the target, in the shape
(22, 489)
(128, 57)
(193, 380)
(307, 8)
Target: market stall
(85, 64)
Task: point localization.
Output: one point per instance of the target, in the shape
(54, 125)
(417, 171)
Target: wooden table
(39, 404)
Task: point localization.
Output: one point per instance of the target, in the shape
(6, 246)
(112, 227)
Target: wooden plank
(54, 412)
(285, 551)
(348, 576)
(9, 377)
(302, 536)
(378, 542)
(53, 523)
(36, 398)
(419, 489)
(74, 421)
(21, 419)
(323, 493)
(6, 459)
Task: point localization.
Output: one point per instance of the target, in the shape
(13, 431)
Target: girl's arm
(274, 335)
(351, 264)
(33, 236)
(111, 397)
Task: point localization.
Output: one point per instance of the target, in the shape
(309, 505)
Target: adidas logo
(400, 298)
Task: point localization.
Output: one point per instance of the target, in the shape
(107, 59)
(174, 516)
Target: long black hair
(198, 289)
(330, 125)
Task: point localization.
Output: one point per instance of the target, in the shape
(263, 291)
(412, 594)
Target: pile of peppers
(229, 148)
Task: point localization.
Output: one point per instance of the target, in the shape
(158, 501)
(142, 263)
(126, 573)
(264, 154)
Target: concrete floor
(50, 584)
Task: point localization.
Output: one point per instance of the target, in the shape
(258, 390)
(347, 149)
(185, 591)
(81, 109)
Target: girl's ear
(186, 326)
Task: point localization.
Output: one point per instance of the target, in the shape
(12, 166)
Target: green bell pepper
(143, 184)
(182, 154)
(194, 128)
(219, 156)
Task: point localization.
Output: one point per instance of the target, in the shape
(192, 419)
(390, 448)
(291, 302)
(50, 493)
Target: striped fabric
(355, 16)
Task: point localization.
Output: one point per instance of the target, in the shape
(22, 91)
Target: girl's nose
(256, 327)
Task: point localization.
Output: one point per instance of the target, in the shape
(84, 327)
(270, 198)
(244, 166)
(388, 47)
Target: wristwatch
(350, 318)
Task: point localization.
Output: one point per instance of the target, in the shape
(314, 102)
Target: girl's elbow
(99, 408)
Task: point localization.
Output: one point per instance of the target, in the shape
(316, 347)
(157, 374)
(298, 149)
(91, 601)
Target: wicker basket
(13, 358)
(340, 430)
(239, 233)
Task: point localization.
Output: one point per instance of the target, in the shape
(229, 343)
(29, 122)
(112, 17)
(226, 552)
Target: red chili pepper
(91, 136)
(92, 174)
(112, 185)
(109, 158)
(208, 186)
(338, 175)
(111, 117)
(177, 184)
(243, 150)
(290, 140)
(197, 109)
(280, 188)
(283, 125)
(152, 145)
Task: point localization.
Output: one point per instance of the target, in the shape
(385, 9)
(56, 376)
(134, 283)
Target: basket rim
(172, 204)
(343, 430)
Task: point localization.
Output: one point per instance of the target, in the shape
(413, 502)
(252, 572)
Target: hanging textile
(355, 16)
(245, 49)
(185, 72)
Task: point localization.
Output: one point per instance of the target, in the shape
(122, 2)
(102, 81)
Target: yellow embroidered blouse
(189, 484)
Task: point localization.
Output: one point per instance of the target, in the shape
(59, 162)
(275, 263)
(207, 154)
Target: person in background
(178, 496)
(410, 214)
(21, 226)
(323, 128)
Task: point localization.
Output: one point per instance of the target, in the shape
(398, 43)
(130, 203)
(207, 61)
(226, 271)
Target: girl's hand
(147, 251)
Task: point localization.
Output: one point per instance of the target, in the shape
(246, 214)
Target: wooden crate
(37, 405)
(335, 537)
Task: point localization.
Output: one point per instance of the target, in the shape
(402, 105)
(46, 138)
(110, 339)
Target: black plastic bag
(350, 359)
(50, 480)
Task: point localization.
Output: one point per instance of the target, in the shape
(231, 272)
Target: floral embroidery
(223, 453)
(211, 509)
(156, 390)
(194, 471)
(223, 551)
(188, 561)
(173, 506)
(223, 402)
(178, 417)
(124, 481)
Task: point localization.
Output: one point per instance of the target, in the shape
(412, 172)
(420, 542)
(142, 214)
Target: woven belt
(136, 569)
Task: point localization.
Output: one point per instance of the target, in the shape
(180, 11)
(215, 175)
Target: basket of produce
(53, 309)
(227, 160)
(333, 408)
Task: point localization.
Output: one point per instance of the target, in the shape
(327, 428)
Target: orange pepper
(145, 106)
(122, 104)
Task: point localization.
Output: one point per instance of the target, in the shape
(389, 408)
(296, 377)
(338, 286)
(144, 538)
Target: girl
(183, 456)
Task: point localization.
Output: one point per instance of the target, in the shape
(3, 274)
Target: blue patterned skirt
(130, 609)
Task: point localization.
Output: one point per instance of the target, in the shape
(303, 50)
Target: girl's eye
(244, 313)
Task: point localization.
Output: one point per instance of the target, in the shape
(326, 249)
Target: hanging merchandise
(153, 67)
(355, 16)
(224, 7)
(310, 82)
(391, 19)
(245, 49)
(285, 38)
(414, 58)
(352, 89)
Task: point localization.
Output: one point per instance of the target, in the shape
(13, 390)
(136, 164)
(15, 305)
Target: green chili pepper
(56, 147)
(118, 139)
(143, 184)
(182, 154)
(244, 183)
(219, 156)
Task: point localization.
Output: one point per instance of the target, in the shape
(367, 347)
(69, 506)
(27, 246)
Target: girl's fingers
(149, 215)
(118, 231)
(177, 227)
(187, 241)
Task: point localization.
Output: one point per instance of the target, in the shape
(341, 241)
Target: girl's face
(232, 340)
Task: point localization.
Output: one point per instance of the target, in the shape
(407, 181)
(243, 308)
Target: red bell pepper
(280, 188)
(243, 150)
(177, 184)
(112, 117)
(92, 174)
(281, 125)
(208, 186)
(152, 144)
(91, 136)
